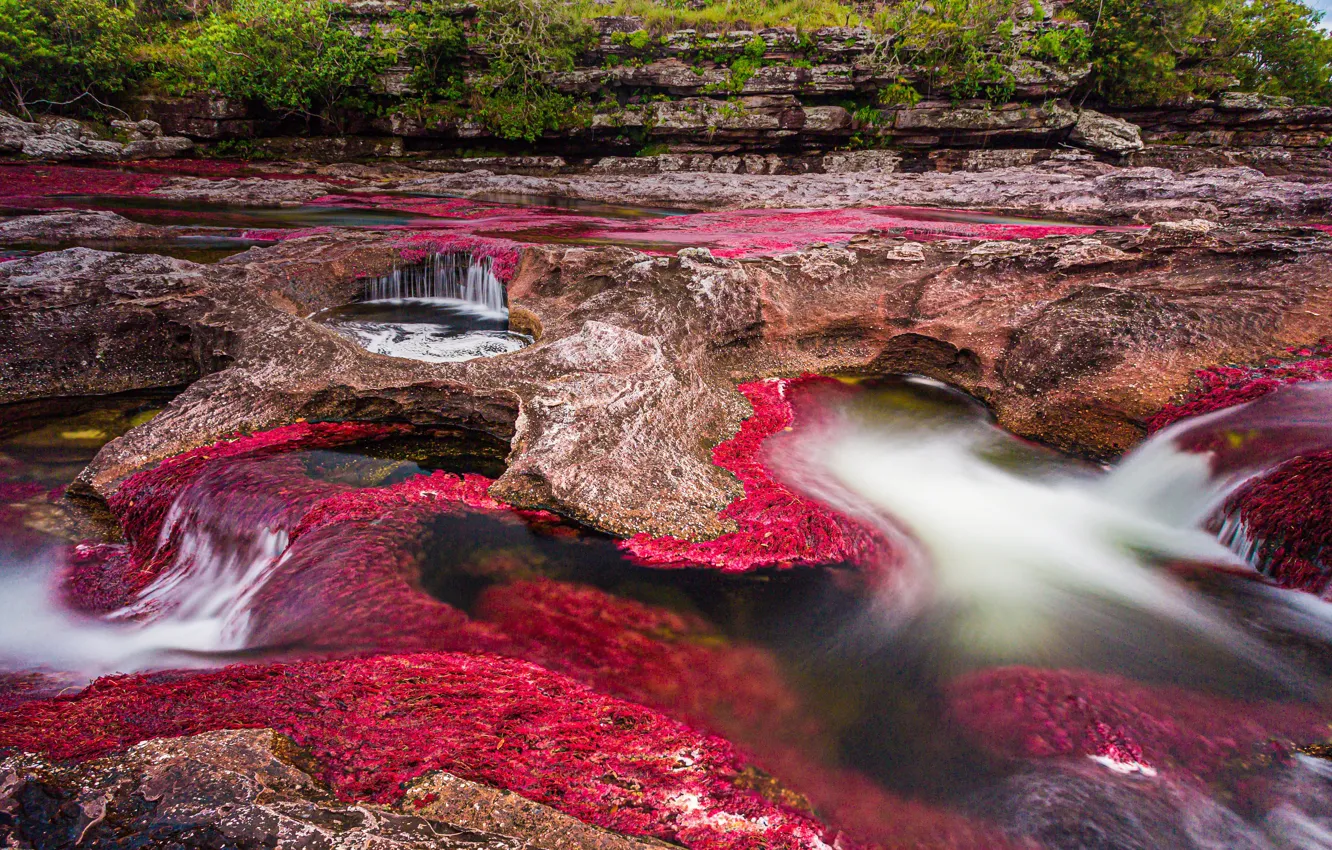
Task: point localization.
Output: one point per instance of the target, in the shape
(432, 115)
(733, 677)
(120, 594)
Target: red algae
(776, 527)
(41, 185)
(502, 254)
(1021, 712)
(1286, 515)
(375, 723)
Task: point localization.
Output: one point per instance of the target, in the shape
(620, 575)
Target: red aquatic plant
(775, 525)
(375, 723)
(1286, 515)
(1022, 712)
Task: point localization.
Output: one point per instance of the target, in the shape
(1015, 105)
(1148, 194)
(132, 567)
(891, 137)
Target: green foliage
(724, 15)
(743, 67)
(431, 42)
(294, 56)
(523, 41)
(1283, 51)
(898, 94)
(1063, 47)
(961, 47)
(1157, 51)
(55, 52)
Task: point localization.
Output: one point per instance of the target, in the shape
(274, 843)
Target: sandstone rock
(447, 798)
(65, 225)
(161, 147)
(1008, 119)
(824, 120)
(250, 191)
(14, 132)
(1104, 134)
(60, 148)
(1035, 79)
(856, 162)
(1071, 185)
(611, 415)
(1251, 101)
(139, 130)
(1080, 253)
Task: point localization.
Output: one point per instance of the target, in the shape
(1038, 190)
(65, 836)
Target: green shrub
(1063, 47)
(429, 40)
(723, 15)
(1156, 51)
(294, 56)
(524, 41)
(898, 94)
(960, 47)
(61, 52)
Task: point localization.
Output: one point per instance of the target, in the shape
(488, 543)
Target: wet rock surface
(253, 789)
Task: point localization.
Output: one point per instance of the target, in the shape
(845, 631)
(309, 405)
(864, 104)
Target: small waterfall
(454, 275)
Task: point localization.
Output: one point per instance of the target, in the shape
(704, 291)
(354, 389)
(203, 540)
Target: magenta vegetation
(1287, 514)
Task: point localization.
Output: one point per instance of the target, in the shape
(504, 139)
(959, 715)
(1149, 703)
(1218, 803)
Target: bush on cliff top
(1149, 52)
(294, 56)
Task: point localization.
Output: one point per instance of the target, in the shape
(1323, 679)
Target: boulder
(160, 147)
(1103, 134)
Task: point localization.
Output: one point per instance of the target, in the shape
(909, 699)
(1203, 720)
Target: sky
(1324, 6)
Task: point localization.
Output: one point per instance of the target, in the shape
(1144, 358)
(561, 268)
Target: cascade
(453, 275)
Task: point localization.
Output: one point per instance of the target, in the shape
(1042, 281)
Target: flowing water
(448, 309)
(1014, 555)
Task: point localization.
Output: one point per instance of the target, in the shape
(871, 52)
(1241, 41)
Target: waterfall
(455, 275)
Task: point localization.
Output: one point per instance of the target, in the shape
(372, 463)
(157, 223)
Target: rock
(444, 797)
(248, 191)
(1081, 253)
(1036, 80)
(252, 790)
(1251, 101)
(124, 344)
(60, 148)
(67, 225)
(139, 131)
(624, 394)
(542, 165)
(161, 147)
(14, 132)
(978, 120)
(1104, 134)
(858, 162)
(1071, 185)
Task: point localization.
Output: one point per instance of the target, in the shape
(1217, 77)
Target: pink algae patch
(776, 527)
(755, 232)
(375, 723)
(1021, 712)
(1287, 514)
(22, 184)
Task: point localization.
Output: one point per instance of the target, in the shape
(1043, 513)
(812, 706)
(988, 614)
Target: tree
(58, 52)
(294, 56)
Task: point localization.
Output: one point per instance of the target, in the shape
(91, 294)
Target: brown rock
(253, 790)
